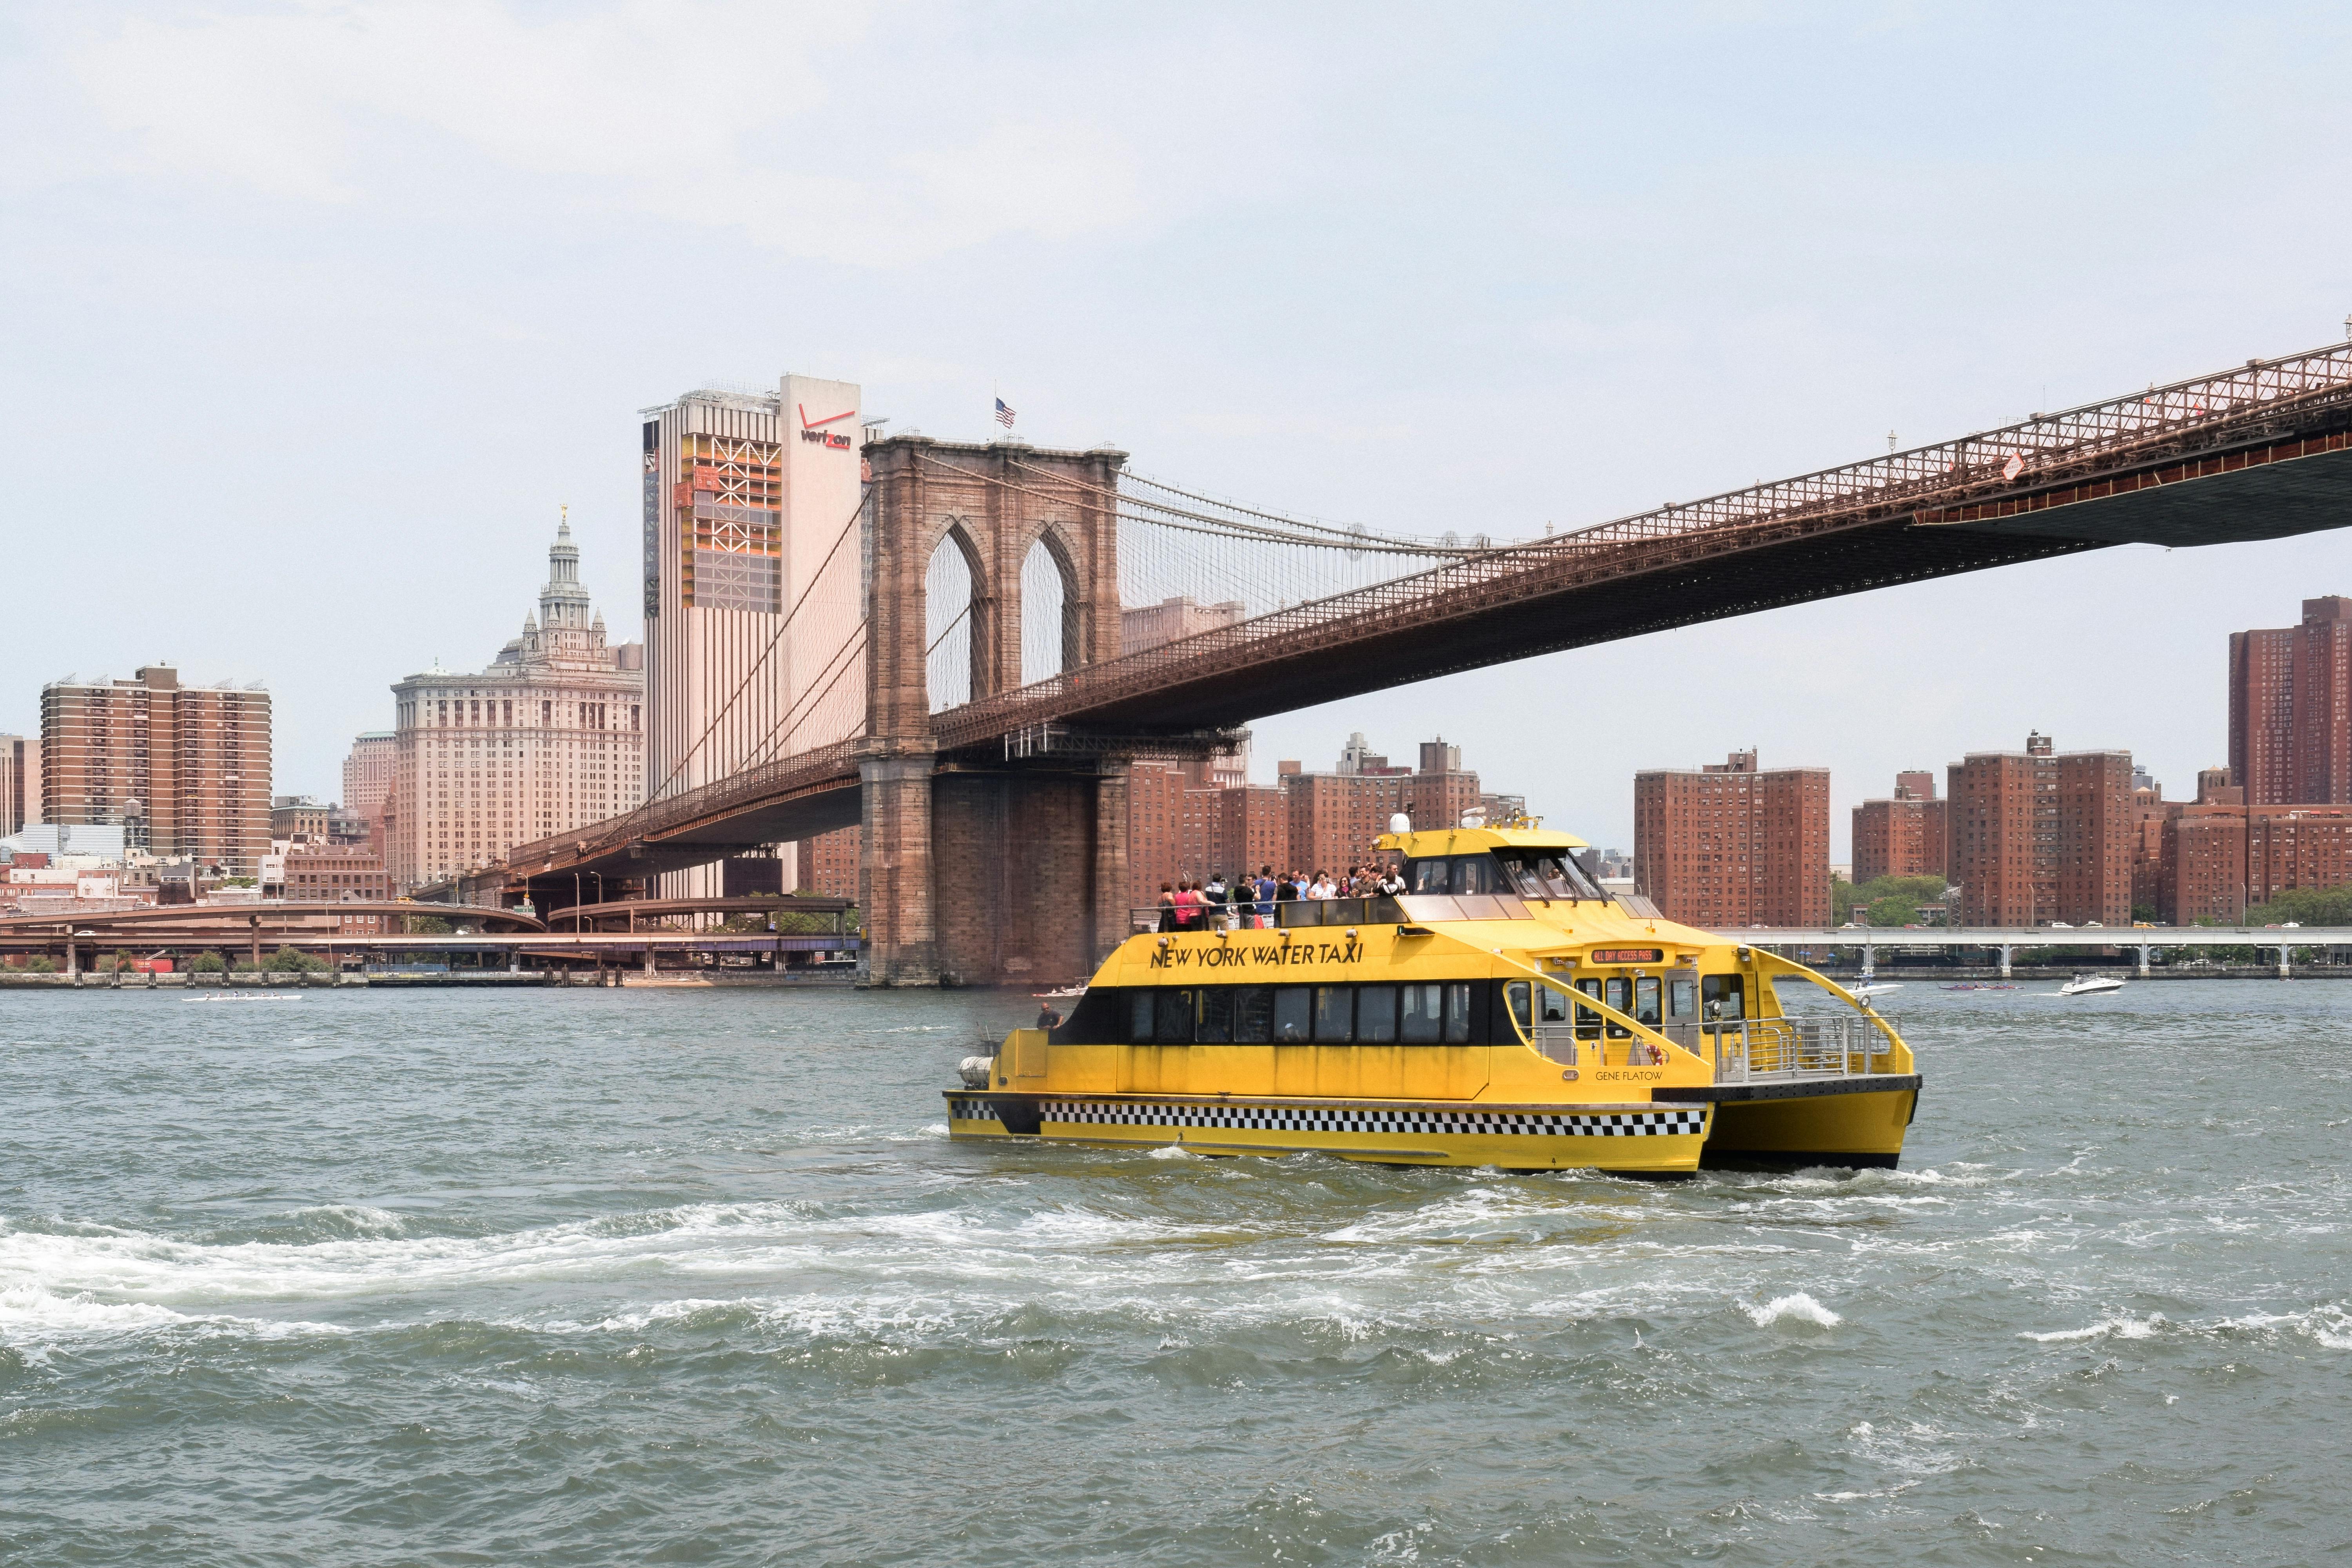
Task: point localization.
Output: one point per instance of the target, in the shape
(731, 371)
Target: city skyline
(1850, 787)
(1491, 345)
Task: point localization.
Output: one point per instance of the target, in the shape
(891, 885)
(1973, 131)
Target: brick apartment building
(184, 771)
(2291, 708)
(2220, 856)
(829, 864)
(1728, 845)
(1902, 835)
(2038, 837)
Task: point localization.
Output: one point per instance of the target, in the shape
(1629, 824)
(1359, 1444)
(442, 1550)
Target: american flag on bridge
(1003, 414)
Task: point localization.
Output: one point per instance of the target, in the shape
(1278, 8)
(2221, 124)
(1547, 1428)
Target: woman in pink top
(1188, 905)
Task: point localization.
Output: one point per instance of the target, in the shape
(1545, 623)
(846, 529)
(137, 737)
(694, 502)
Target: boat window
(1562, 871)
(1457, 1013)
(1215, 1027)
(1517, 993)
(1723, 997)
(1344, 912)
(1617, 990)
(1335, 1011)
(1139, 1027)
(1435, 876)
(1383, 911)
(1293, 1016)
(1475, 874)
(1103, 1013)
(1682, 998)
(1299, 912)
(1424, 1015)
(1521, 877)
(1588, 1021)
(1645, 1001)
(1551, 1008)
(1174, 1016)
(1253, 1015)
(1376, 1014)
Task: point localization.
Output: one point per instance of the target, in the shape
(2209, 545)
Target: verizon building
(751, 507)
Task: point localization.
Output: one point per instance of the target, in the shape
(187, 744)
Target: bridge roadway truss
(2261, 451)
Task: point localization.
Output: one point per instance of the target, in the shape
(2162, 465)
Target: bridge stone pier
(981, 866)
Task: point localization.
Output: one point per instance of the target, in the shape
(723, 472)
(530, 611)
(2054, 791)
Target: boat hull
(1635, 1140)
(1853, 1121)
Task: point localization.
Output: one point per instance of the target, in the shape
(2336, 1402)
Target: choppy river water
(602, 1277)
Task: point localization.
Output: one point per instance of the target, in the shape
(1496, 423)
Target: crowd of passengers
(1223, 903)
(1246, 903)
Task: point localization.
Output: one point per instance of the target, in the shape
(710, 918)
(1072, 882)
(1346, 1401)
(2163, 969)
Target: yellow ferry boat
(1502, 1011)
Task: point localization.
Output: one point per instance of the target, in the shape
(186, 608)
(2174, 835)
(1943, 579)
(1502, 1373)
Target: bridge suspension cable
(800, 708)
(1220, 554)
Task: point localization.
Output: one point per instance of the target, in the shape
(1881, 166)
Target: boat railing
(1289, 914)
(1561, 1043)
(1769, 1050)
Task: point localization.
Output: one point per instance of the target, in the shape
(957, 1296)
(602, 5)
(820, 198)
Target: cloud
(709, 116)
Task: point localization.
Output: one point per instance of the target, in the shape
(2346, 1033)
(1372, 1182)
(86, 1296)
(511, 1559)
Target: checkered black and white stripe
(973, 1111)
(1317, 1119)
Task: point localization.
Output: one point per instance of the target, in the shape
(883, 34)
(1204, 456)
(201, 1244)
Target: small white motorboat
(2090, 985)
(1873, 988)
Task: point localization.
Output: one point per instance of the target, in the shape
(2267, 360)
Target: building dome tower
(563, 603)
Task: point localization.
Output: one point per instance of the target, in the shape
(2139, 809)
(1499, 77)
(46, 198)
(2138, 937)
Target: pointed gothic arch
(955, 612)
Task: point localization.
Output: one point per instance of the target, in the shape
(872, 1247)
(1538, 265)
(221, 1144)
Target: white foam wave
(2329, 1326)
(84, 1278)
(1799, 1308)
(29, 1313)
(2123, 1326)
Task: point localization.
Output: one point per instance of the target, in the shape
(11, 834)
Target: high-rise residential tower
(752, 577)
(2040, 836)
(549, 737)
(20, 782)
(182, 769)
(1729, 845)
(1901, 837)
(2291, 708)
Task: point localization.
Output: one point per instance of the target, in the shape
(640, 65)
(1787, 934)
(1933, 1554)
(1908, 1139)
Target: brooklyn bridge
(992, 801)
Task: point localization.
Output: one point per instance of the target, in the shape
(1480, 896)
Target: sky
(312, 314)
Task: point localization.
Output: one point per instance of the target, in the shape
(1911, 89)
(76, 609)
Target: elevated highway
(2006, 941)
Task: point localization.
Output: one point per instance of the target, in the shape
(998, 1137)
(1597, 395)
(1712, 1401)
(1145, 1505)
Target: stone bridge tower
(976, 870)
